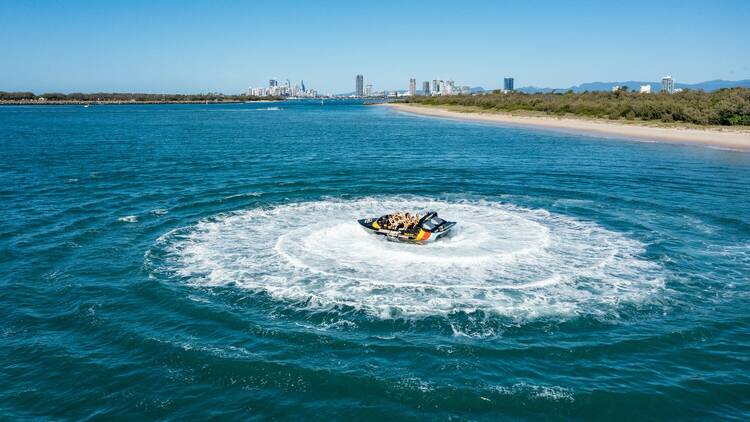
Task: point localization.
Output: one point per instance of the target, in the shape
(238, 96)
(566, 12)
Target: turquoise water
(195, 261)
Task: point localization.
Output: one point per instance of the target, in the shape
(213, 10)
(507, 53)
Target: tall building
(272, 83)
(449, 86)
(426, 88)
(368, 90)
(412, 87)
(302, 85)
(508, 84)
(360, 86)
(435, 86)
(667, 84)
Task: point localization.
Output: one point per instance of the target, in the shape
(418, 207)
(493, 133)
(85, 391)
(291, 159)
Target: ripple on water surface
(500, 259)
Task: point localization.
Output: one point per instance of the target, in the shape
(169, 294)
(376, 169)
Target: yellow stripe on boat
(375, 225)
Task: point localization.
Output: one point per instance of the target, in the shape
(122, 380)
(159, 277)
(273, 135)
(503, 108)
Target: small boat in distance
(429, 228)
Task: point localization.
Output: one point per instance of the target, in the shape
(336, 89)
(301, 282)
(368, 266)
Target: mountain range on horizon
(707, 86)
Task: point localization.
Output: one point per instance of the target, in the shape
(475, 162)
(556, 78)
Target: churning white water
(500, 259)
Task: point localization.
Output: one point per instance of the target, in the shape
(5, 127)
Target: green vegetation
(122, 97)
(723, 107)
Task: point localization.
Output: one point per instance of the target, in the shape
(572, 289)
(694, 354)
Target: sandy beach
(738, 139)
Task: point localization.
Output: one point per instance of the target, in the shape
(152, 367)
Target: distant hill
(707, 86)
(717, 84)
(535, 90)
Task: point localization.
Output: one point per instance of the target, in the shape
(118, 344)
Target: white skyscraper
(667, 84)
(412, 87)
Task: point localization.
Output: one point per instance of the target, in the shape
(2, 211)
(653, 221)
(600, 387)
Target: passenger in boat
(407, 221)
(403, 221)
(398, 221)
(413, 221)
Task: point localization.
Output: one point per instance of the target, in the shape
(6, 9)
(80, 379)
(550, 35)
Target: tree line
(727, 107)
(124, 97)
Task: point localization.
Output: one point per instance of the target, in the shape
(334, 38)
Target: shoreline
(124, 102)
(712, 137)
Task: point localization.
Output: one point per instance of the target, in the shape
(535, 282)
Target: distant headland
(54, 98)
(725, 107)
(720, 118)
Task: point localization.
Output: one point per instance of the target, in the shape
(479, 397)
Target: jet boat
(429, 228)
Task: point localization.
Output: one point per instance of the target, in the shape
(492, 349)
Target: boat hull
(419, 236)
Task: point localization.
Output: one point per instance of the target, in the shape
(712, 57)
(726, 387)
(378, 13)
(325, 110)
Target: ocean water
(204, 261)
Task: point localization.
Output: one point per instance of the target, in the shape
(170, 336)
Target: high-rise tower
(667, 84)
(360, 86)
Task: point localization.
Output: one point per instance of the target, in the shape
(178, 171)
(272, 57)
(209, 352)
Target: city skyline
(200, 47)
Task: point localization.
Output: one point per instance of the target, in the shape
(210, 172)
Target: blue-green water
(195, 261)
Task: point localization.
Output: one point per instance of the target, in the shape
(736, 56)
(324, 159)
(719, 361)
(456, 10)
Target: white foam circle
(500, 259)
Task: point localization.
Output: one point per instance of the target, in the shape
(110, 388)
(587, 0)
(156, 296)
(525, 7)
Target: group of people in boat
(400, 221)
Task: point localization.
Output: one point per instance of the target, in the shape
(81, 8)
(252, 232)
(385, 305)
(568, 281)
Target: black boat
(428, 229)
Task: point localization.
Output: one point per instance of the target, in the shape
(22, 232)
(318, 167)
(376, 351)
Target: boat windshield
(432, 223)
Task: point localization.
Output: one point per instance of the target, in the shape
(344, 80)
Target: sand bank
(717, 137)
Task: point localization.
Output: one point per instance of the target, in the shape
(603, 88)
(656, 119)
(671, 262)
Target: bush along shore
(122, 98)
(725, 107)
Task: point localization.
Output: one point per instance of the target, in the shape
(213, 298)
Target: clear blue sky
(196, 46)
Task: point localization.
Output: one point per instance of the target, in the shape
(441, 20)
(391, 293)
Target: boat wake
(501, 259)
